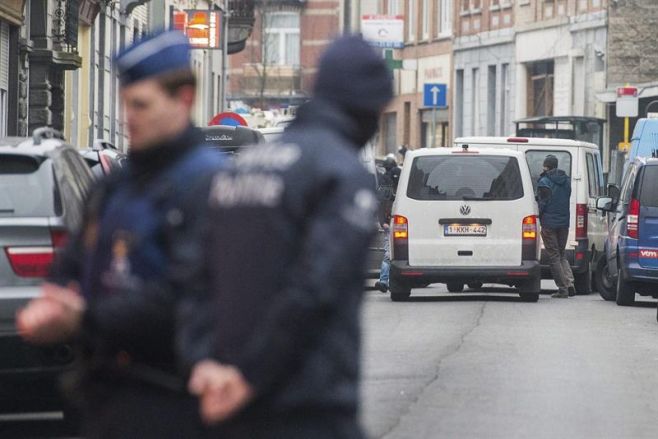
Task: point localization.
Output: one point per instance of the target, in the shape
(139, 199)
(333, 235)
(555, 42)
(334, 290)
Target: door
(618, 220)
(648, 227)
(566, 162)
(466, 210)
(597, 228)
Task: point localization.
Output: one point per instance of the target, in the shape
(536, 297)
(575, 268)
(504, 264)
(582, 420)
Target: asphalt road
(490, 366)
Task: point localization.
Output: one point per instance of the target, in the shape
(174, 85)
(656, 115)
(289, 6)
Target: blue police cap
(160, 53)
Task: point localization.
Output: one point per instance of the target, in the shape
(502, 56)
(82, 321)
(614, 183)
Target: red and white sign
(649, 254)
(201, 26)
(385, 31)
(627, 102)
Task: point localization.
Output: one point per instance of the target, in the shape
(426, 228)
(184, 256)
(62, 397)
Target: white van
(465, 216)
(581, 160)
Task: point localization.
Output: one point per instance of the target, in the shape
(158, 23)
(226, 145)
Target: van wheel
(399, 292)
(583, 282)
(529, 297)
(625, 291)
(604, 280)
(455, 287)
(475, 285)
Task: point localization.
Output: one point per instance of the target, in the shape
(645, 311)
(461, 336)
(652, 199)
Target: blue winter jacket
(553, 194)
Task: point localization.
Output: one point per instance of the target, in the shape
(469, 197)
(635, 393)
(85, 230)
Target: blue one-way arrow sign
(435, 95)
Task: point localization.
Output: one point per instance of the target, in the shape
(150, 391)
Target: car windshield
(26, 187)
(465, 177)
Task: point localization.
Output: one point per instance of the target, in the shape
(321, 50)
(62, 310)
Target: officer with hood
(553, 194)
(121, 287)
(291, 233)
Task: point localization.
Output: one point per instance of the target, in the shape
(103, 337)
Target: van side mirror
(613, 192)
(606, 204)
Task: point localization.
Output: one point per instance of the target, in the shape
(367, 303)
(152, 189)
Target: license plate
(464, 230)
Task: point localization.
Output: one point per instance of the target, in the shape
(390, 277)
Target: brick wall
(632, 50)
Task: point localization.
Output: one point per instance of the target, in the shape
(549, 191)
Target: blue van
(632, 245)
(644, 142)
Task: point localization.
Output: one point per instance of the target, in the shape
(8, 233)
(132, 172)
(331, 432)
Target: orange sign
(202, 27)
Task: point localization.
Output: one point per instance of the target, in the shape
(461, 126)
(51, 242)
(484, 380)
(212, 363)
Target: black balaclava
(356, 79)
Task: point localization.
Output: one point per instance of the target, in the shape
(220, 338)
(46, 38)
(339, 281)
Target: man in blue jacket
(122, 287)
(291, 233)
(553, 194)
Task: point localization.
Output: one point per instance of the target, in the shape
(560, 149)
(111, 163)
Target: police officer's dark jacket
(137, 257)
(292, 227)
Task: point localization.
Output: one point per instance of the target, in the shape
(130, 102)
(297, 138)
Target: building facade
(484, 61)
(13, 69)
(425, 59)
(279, 63)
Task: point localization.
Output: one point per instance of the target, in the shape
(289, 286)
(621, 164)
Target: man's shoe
(560, 295)
(381, 286)
(572, 291)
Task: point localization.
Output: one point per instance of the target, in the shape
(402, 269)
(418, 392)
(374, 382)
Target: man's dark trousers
(555, 241)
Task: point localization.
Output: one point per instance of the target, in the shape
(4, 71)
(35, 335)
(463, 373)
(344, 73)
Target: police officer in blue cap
(127, 279)
(291, 231)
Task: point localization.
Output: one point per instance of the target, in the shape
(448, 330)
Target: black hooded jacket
(290, 260)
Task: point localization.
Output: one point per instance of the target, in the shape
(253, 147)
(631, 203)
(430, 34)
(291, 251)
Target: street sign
(435, 95)
(383, 30)
(627, 102)
(228, 118)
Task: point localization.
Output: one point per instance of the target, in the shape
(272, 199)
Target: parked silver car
(43, 184)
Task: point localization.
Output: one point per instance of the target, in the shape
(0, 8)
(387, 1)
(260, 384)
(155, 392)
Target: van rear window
(465, 177)
(26, 187)
(535, 159)
(648, 192)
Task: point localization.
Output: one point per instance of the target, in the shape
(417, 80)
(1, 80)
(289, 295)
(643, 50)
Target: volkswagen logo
(465, 210)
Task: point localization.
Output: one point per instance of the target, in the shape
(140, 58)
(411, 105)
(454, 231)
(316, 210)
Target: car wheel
(399, 292)
(583, 282)
(529, 297)
(605, 281)
(625, 291)
(455, 287)
(475, 285)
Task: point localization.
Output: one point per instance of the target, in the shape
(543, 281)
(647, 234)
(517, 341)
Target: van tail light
(632, 219)
(33, 261)
(530, 234)
(400, 235)
(400, 227)
(30, 261)
(530, 227)
(581, 221)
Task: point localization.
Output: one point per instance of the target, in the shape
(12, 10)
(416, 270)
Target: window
(393, 7)
(504, 98)
(26, 187)
(425, 30)
(466, 5)
(540, 89)
(459, 103)
(475, 101)
(390, 131)
(491, 101)
(648, 193)
(282, 45)
(411, 20)
(627, 184)
(445, 17)
(536, 158)
(592, 177)
(463, 177)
